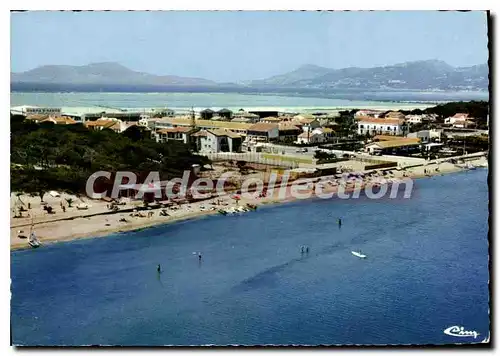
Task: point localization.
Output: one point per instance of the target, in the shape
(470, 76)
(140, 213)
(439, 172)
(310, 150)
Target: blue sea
(427, 270)
(235, 101)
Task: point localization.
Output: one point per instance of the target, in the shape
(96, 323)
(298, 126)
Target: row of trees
(475, 109)
(62, 157)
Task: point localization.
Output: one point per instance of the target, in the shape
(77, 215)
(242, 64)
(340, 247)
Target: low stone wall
(381, 165)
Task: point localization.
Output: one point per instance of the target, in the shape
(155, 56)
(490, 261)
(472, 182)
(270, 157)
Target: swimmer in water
(302, 249)
(199, 257)
(307, 249)
(340, 222)
(158, 268)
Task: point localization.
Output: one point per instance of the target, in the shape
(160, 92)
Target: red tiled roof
(60, 120)
(176, 130)
(288, 127)
(387, 138)
(102, 123)
(37, 117)
(373, 120)
(407, 141)
(262, 127)
(221, 132)
(201, 133)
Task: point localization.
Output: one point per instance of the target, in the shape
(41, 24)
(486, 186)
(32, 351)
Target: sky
(238, 46)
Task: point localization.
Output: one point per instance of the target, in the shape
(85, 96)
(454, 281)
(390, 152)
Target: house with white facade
(149, 123)
(310, 137)
(217, 140)
(459, 120)
(327, 132)
(373, 126)
(111, 123)
(263, 132)
(400, 144)
(417, 119)
(305, 122)
(426, 136)
(181, 134)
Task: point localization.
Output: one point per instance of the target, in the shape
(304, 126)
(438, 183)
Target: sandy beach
(97, 220)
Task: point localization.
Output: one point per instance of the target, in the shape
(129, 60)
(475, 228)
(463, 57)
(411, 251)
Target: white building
(263, 132)
(328, 133)
(416, 119)
(427, 135)
(404, 144)
(305, 122)
(217, 140)
(311, 137)
(373, 126)
(164, 112)
(181, 134)
(456, 117)
(459, 120)
(26, 110)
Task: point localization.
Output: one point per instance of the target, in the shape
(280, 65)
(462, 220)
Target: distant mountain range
(419, 75)
(107, 73)
(430, 75)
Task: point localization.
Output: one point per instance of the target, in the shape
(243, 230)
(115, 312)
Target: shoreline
(76, 228)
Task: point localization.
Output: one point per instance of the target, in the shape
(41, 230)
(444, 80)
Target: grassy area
(287, 158)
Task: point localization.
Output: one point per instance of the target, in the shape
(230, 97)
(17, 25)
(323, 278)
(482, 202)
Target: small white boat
(358, 254)
(33, 240)
(467, 166)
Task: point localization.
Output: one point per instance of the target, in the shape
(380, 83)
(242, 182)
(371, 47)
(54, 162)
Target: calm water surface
(427, 269)
(235, 101)
(198, 101)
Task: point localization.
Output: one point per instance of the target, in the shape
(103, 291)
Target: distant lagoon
(235, 101)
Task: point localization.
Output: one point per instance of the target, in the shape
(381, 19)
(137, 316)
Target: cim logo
(459, 331)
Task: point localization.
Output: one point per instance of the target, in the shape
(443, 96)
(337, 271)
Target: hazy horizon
(236, 46)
